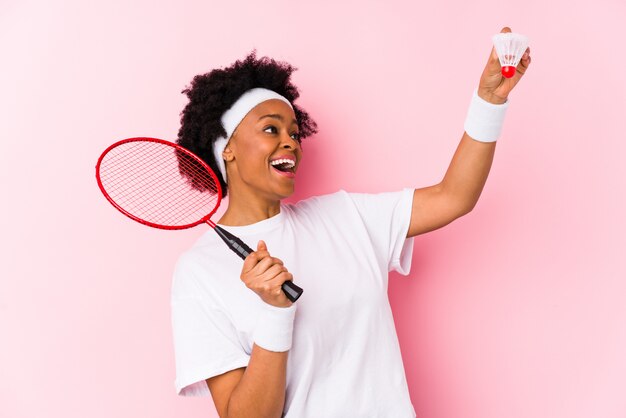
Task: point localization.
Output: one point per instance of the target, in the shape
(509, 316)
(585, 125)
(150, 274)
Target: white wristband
(484, 120)
(274, 328)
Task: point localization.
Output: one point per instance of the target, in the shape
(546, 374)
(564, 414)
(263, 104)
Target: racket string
(154, 199)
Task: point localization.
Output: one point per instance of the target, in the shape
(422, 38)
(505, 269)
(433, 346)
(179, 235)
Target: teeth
(290, 163)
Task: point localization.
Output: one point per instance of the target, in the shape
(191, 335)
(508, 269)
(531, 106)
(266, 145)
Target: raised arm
(457, 194)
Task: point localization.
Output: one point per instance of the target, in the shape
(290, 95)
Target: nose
(289, 143)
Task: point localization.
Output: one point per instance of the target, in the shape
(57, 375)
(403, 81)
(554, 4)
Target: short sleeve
(387, 217)
(205, 340)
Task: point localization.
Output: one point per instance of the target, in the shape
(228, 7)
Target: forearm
(261, 390)
(467, 174)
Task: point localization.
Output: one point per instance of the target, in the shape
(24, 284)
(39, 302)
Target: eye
(296, 137)
(272, 127)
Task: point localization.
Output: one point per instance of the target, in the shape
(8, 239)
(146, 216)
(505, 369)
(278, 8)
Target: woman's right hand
(264, 275)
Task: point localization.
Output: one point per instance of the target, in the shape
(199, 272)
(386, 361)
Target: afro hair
(213, 93)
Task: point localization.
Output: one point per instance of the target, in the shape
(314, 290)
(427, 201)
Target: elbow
(466, 208)
(467, 204)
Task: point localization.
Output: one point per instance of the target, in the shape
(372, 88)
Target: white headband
(233, 117)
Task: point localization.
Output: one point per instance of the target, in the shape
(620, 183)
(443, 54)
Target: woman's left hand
(493, 86)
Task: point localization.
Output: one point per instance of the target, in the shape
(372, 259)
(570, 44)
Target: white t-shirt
(345, 358)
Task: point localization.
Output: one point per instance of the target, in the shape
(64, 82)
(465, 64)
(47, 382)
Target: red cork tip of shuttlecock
(508, 71)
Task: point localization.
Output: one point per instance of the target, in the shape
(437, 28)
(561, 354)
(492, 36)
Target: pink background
(516, 310)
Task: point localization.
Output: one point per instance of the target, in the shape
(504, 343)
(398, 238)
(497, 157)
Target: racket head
(158, 183)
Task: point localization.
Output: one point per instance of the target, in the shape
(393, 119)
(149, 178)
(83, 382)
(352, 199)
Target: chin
(284, 193)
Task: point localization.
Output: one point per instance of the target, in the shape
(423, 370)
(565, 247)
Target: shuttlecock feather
(510, 47)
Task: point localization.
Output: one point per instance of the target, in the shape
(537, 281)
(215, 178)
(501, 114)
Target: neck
(246, 209)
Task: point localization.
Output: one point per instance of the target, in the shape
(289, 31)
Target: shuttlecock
(510, 47)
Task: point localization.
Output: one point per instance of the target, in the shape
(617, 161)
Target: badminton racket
(163, 185)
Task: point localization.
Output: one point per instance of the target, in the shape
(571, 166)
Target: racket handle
(292, 291)
(238, 246)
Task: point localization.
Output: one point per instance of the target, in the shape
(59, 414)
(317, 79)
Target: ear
(227, 154)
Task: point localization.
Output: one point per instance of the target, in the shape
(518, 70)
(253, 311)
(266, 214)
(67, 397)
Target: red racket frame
(205, 219)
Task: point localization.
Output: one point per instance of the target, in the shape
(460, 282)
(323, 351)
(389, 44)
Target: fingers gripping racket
(163, 185)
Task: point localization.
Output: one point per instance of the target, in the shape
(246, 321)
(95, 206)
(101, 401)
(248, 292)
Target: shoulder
(342, 199)
(321, 202)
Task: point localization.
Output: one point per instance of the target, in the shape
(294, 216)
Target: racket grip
(238, 246)
(292, 291)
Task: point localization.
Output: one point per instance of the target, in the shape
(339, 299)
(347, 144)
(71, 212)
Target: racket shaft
(292, 291)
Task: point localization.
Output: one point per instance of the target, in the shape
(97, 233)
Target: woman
(333, 353)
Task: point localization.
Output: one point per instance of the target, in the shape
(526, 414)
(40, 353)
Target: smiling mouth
(284, 165)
